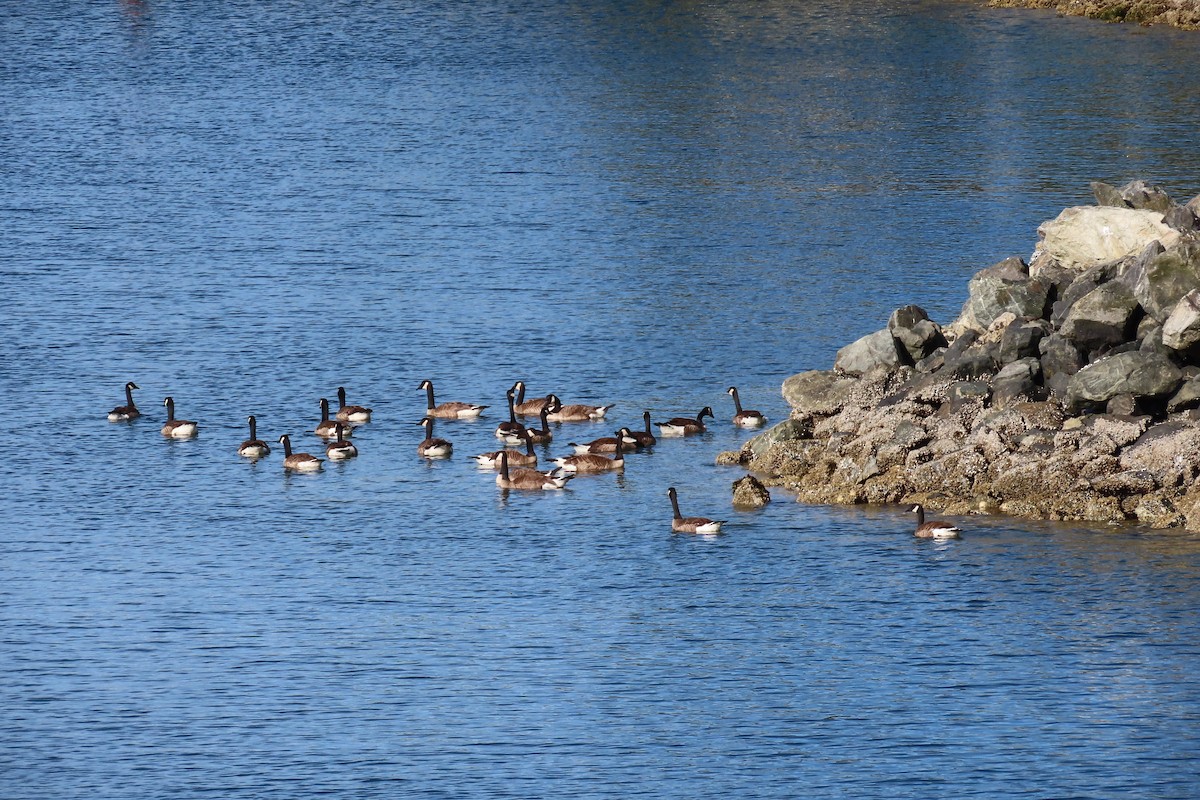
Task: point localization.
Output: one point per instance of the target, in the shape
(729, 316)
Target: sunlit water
(246, 206)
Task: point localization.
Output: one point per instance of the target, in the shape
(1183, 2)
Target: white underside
(672, 430)
(306, 465)
(436, 451)
(361, 416)
(750, 422)
(184, 431)
(255, 451)
(341, 453)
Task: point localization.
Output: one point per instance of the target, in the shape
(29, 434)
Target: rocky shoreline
(1183, 14)
(1067, 389)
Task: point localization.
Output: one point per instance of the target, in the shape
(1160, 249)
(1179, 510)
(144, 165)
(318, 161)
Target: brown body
(685, 426)
(297, 462)
(341, 449)
(744, 418)
(432, 447)
(127, 411)
(520, 478)
(351, 413)
(644, 438)
(515, 457)
(934, 528)
(177, 428)
(527, 408)
(451, 410)
(682, 524)
(253, 447)
(575, 412)
(327, 428)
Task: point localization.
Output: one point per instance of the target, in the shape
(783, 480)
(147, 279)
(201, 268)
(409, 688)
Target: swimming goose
(525, 408)
(515, 457)
(935, 528)
(177, 428)
(127, 411)
(682, 524)
(536, 435)
(576, 412)
(644, 438)
(340, 450)
(521, 478)
(432, 447)
(512, 427)
(327, 428)
(591, 462)
(608, 444)
(744, 419)
(451, 410)
(351, 413)
(253, 447)
(685, 426)
(299, 462)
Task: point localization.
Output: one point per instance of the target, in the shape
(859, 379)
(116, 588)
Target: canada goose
(575, 412)
(644, 438)
(177, 428)
(351, 413)
(529, 408)
(512, 427)
(452, 410)
(127, 411)
(521, 478)
(608, 444)
(515, 457)
(536, 435)
(685, 426)
(935, 528)
(253, 447)
(744, 419)
(299, 462)
(682, 524)
(591, 462)
(431, 447)
(340, 450)
(327, 428)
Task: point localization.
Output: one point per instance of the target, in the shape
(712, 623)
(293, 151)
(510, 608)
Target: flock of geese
(515, 467)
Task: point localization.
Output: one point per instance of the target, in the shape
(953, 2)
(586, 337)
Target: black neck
(646, 417)
(341, 397)
(920, 516)
(428, 395)
(675, 505)
(504, 465)
(512, 412)
(736, 402)
(170, 404)
(287, 445)
(253, 434)
(324, 410)
(520, 389)
(129, 395)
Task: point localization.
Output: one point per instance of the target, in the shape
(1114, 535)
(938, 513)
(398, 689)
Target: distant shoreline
(1184, 14)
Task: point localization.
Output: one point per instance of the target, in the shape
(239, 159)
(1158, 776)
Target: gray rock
(748, 492)
(1003, 287)
(1123, 405)
(1125, 373)
(786, 431)
(1136, 265)
(1139, 194)
(1021, 339)
(1106, 316)
(878, 349)
(1084, 236)
(1187, 397)
(963, 392)
(1016, 381)
(1108, 195)
(1070, 296)
(1182, 219)
(1167, 278)
(820, 392)
(932, 362)
(917, 335)
(1181, 331)
(1060, 360)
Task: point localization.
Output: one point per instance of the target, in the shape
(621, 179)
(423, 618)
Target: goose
(127, 411)
(575, 412)
(351, 413)
(537, 435)
(327, 428)
(591, 462)
(253, 447)
(682, 524)
(608, 444)
(452, 410)
(431, 447)
(644, 438)
(521, 478)
(512, 427)
(935, 528)
(748, 418)
(525, 408)
(177, 428)
(515, 457)
(685, 426)
(298, 462)
(340, 450)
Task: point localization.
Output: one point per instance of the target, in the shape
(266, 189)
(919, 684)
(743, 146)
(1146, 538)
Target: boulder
(1167, 278)
(1139, 194)
(1182, 219)
(1132, 373)
(1084, 236)
(1060, 360)
(1107, 195)
(1003, 287)
(748, 492)
(1187, 397)
(820, 392)
(788, 430)
(1016, 381)
(1105, 316)
(1181, 331)
(917, 335)
(878, 349)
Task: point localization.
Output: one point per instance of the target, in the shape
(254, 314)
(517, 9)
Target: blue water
(245, 206)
